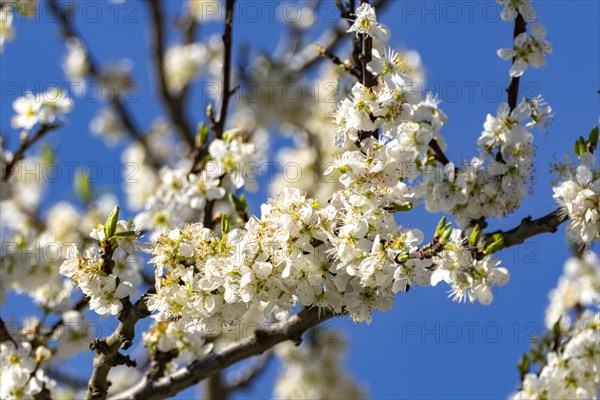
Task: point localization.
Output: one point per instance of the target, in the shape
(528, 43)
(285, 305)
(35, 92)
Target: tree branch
(513, 88)
(69, 32)
(107, 349)
(173, 104)
(532, 227)
(26, 143)
(219, 126)
(196, 372)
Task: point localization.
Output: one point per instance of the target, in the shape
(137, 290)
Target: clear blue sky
(427, 346)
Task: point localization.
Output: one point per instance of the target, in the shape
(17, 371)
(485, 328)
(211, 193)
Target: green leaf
(524, 365)
(202, 135)
(239, 205)
(446, 236)
(441, 227)
(123, 234)
(493, 243)
(593, 138)
(475, 235)
(579, 147)
(83, 187)
(402, 207)
(110, 227)
(556, 328)
(224, 224)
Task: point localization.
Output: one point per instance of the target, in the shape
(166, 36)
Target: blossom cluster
(527, 49)
(42, 108)
(579, 286)
(20, 375)
(103, 273)
(349, 255)
(180, 193)
(182, 345)
(571, 372)
(578, 193)
(314, 371)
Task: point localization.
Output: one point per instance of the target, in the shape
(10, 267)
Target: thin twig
(513, 88)
(172, 103)
(26, 143)
(126, 119)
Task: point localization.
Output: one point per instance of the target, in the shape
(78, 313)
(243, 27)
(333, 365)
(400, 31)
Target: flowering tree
(318, 250)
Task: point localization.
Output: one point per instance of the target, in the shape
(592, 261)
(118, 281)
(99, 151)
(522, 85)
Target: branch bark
(107, 349)
(532, 227)
(513, 88)
(260, 342)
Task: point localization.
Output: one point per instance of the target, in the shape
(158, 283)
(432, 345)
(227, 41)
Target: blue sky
(427, 346)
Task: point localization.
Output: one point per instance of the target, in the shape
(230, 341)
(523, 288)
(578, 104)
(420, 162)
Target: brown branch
(26, 143)
(126, 119)
(439, 153)
(532, 227)
(107, 349)
(173, 104)
(255, 345)
(219, 126)
(513, 88)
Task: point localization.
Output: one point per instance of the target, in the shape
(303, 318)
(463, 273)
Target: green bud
(401, 258)
(441, 227)
(402, 207)
(493, 243)
(445, 238)
(110, 227)
(475, 235)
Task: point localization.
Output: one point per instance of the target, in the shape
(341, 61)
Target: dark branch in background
(81, 304)
(189, 27)
(69, 32)
(26, 143)
(4, 334)
(246, 378)
(513, 88)
(107, 349)
(173, 103)
(261, 341)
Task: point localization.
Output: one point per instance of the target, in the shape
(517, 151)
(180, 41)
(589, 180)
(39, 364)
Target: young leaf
(493, 243)
(475, 235)
(110, 227)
